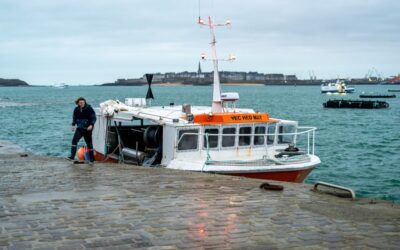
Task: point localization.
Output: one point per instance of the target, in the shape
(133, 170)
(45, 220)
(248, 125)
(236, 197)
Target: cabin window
(188, 139)
(259, 138)
(244, 136)
(271, 134)
(212, 137)
(228, 137)
(286, 139)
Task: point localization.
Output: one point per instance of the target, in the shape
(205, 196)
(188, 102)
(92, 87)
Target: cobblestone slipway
(50, 203)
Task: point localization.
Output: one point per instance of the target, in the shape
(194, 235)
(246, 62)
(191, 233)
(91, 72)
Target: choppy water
(358, 148)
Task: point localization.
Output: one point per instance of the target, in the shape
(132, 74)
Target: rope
(108, 155)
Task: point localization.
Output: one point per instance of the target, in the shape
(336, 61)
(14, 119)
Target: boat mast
(216, 102)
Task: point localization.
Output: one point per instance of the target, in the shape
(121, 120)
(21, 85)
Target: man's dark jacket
(84, 117)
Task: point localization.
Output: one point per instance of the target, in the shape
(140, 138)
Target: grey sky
(97, 41)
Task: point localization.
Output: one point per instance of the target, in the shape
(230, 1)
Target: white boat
(338, 87)
(60, 86)
(220, 138)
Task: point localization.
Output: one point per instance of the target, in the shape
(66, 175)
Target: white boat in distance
(338, 87)
(60, 86)
(220, 138)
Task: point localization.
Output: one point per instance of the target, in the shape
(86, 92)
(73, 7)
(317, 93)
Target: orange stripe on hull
(288, 176)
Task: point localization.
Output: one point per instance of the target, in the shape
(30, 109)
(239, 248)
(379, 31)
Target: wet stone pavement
(50, 203)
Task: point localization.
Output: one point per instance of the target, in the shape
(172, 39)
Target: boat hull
(349, 90)
(289, 176)
(285, 175)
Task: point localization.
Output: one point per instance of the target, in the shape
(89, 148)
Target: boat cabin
(158, 135)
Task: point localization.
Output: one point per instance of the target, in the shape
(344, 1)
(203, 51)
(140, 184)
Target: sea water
(358, 148)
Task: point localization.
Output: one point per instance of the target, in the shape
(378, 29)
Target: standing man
(83, 121)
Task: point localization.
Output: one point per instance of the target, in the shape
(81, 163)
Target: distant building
(274, 77)
(157, 77)
(255, 76)
(232, 75)
(291, 78)
(226, 76)
(169, 76)
(186, 74)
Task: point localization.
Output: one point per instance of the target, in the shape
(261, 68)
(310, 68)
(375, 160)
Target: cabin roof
(173, 114)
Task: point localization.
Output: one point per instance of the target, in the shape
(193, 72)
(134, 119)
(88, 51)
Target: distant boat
(356, 104)
(60, 86)
(394, 80)
(377, 96)
(336, 93)
(338, 87)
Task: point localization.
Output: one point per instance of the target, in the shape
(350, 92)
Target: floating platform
(356, 104)
(51, 203)
(377, 96)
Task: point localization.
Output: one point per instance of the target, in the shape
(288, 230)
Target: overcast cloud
(97, 41)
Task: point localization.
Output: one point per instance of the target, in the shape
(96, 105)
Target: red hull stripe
(288, 176)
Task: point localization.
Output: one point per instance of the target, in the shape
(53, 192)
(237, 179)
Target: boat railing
(308, 132)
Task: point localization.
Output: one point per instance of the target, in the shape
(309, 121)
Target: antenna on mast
(199, 10)
(217, 106)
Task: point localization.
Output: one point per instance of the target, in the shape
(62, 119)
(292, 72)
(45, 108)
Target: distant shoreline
(13, 83)
(252, 84)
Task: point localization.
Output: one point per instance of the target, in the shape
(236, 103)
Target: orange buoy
(81, 153)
